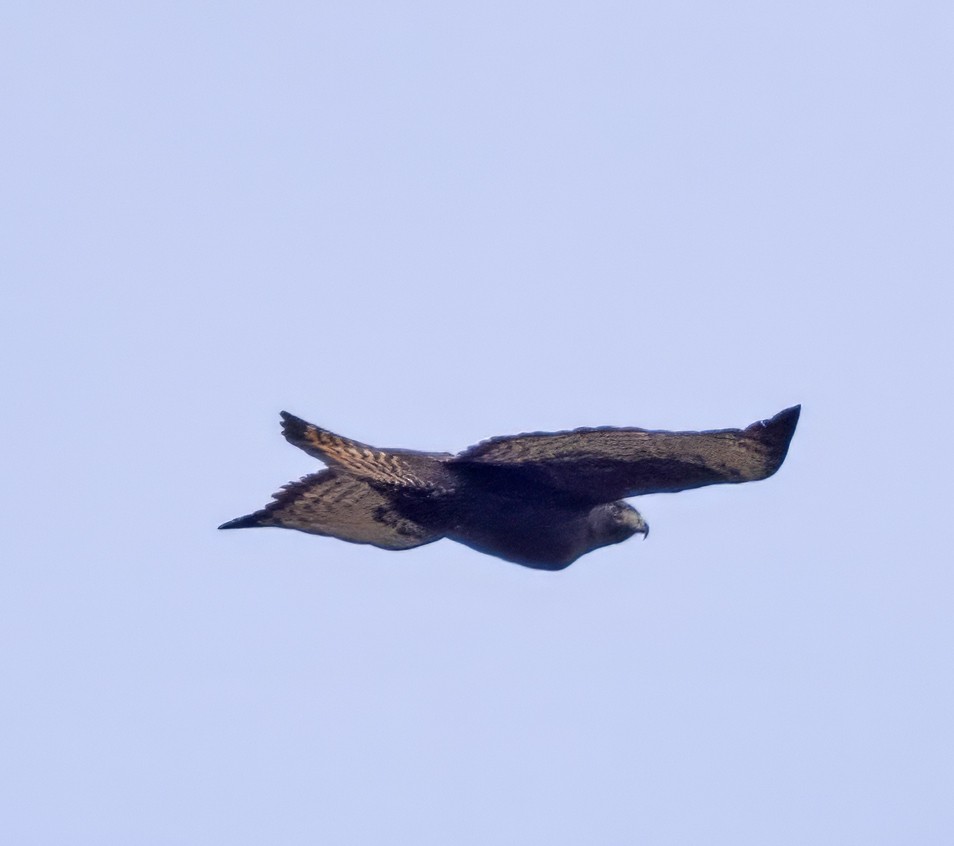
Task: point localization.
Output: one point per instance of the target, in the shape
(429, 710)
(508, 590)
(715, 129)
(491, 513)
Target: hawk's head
(614, 523)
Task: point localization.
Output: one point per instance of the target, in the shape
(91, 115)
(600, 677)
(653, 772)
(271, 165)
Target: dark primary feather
(540, 499)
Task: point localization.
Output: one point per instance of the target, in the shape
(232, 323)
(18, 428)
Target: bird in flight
(541, 499)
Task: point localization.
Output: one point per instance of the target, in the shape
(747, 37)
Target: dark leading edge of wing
(602, 465)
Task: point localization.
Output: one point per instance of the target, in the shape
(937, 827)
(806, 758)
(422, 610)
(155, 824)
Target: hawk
(541, 499)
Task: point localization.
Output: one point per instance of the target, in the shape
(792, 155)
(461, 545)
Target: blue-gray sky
(422, 224)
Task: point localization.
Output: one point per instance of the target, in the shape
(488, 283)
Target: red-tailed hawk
(540, 499)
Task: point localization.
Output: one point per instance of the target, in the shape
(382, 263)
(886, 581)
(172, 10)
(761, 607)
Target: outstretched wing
(338, 505)
(601, 465)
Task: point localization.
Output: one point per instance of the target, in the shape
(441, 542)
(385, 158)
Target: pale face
(615, 522)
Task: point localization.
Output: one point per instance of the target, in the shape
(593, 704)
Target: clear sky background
(422, 224)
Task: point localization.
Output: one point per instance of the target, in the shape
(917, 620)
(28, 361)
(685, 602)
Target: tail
(394, 467)
(321, 444)
(301, 434)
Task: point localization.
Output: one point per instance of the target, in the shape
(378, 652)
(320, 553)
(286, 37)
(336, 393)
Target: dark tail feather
(293, 428)
(249, 521)
(307, 437)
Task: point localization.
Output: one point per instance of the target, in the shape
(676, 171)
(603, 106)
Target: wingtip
(249, 521)
(776, 434)
(780, 425)
(787, 418)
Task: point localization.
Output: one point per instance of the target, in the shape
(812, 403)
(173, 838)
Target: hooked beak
(638, 524)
